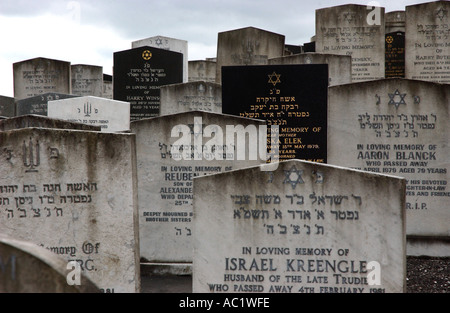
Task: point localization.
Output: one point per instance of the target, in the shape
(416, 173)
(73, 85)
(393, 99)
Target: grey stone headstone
(39, 76)
(192, 96)
(26, 121)
(397, 127)
(107, 86)
(87, 80)
(427, 42)
(302, 228)
(38, 104)
(202, 71)
(357, 31)
(74, 193)
(165, 182)
(339, 66)
(7, 106)
(166, 43)
(110, 115)
(247, 46)
(394, 21)
(28, 268)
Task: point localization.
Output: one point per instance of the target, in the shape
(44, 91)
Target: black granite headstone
(291, 96)
(395, 55)
(138, 75)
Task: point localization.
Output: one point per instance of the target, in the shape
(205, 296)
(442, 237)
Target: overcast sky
(90, 31)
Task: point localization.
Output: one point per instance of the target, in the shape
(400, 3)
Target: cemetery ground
(423, 275)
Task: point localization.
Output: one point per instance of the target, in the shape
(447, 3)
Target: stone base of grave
(177, 269)
(429, 246)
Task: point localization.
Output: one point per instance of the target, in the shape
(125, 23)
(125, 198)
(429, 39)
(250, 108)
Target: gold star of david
(146, 55)
(274, 78)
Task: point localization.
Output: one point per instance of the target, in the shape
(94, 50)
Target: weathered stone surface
(39, 76)
(192, 96)
(398, 127)
(28, 268)
(74, 192)
(355, 30)
(40, 121)
(165, 174)
(304, 227)
(247, 46)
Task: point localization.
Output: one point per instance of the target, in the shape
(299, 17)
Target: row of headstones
(67, 182)
(388, 137)
(355, 36)
(109, 201)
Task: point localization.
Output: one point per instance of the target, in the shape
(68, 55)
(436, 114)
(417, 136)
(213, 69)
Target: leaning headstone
(25, 121)
(398, 127)
(294, 97)
(139, 74)
(167, 164)
(339, 66)
(247, 46)
(202, 70)
(28, 268)
(38, 104)
(192, 96)
(7, 106)
(110, 115)
(39, 76)
(427, 42)
(166, 43)
(73, 193)
(87, 80)
(302, 228)
(357, 31)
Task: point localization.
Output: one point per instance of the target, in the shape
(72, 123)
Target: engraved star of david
(349, 17)
(441, 14)
(394, 98)
(293, 177)
(274, 78)
(158, 41)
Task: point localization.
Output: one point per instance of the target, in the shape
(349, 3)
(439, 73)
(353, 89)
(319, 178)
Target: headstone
(394, 21)
(395, 55)
(202, 70)
(302, 228)
(73, 193)
(355, 30)
(39, 76)
(165, 174)
(247, 46)
(25, 121)
(107, 86)
(110, 115)
(138, 75)
(7, 106)
(87, 80)
(166, 43)
(427, 42)
(398, 127)
(339, 66)
(38, 104)
(28, 268)
(294, 97)
(193, 96)
(292, 49)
